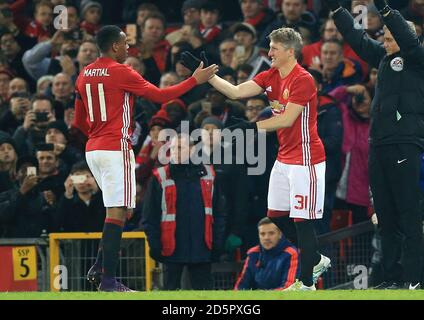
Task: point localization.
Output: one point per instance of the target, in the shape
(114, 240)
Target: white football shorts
(114, 172)
(298, 189)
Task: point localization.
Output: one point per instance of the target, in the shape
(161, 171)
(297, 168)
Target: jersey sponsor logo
(277, 107)
(102, 72)
(397, 64)
(286, 94)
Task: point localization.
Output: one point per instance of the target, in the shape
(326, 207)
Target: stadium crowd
(39, 66)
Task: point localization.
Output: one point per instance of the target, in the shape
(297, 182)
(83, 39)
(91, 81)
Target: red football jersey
(104, 100)
(299, 144)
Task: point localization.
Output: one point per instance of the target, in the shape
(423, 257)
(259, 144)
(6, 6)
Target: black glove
(332, 4)
(242, 124)
(191, 62)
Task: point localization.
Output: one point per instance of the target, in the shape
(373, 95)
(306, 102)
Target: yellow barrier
(54, 239)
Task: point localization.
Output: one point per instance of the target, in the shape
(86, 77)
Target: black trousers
(394, 178)
(200, 275)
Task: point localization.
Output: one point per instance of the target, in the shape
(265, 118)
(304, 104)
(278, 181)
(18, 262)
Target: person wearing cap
(231, 179)
(246, 51)
(8, 160)
(58, 134)
(294, 14)
(14, 116)
(255, 14)
(91, 15)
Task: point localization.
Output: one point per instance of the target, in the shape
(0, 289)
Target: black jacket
(397, 110)
(190, 217)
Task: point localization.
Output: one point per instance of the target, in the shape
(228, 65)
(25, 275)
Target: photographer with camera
(33, 129)
(396, 138)
(81, 206)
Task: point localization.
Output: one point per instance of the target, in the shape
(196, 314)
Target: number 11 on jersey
(102, 101)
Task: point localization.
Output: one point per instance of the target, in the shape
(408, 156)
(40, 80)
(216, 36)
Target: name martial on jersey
(102, 72)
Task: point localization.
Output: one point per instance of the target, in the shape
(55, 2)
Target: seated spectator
(227, 74)
(44, 84)
(335, 69)
(169, 79)
(33, 130)
(243, 72)
(63, 93)
(311, 53)
(81, 206)
(176, 111)
(375, 24)
(353, 188)
(254, 106)
(91, 15)
(87, 53)
(25, 210)
(143, 11)
(273, 264)
(14, 116)
(256, 15)
(136, 64)
(57, 134)
(226, 51)
(293, 15)
(5, 77)
(246, 52)
(8, 160)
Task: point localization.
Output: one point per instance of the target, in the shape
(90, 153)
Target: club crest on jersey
(277, 107)
(286, 94)
(397, 64)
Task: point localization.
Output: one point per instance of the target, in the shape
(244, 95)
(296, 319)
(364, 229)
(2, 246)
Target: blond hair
(289, 38)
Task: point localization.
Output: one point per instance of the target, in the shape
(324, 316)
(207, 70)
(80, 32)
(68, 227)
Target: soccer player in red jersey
(297, 181)
(103, 112)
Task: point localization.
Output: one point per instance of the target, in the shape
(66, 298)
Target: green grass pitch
(221, 295)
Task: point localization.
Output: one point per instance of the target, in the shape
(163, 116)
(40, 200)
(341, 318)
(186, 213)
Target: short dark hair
(261, 97)
(107, 36)
(265, 220)
(80, 166)
(155, 15)
(147, 7)
(42, 97)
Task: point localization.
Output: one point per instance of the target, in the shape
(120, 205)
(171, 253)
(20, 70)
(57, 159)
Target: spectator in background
(186, 228)
(43, 84)
(311, 53)
(14, 116)
(63, 93)
(375, 24)
(25, 210)
(57, 134)
(169, 79)
(335, 69)
(190, 12)
(176, 111)
(18, 85)
(246, 52)
(143, 11)
(148, 157)
(353, 188)
(255, 14)
(87, 53)
(81, 205)
(243, 72)
(5, 77)
(33, 130)
(293, 15)
(136, 64)
(273, 264)
(41, 27)
(8, 160)
(330, 130)
(152, 48)
(254, 106)
(226, 51)
(91, 15)
(209, 26)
